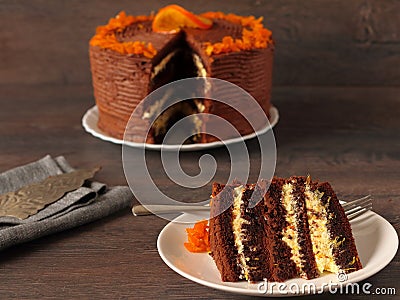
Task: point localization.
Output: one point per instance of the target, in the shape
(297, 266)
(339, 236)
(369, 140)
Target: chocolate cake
(297, 229)
(237, 233)
(129, 60)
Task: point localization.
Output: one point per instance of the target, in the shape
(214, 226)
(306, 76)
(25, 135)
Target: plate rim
(96, 132)
(353, 277)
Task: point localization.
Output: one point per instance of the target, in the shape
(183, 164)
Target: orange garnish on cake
(105, 36)
(173, 17)
(198, 237)
(254, 34)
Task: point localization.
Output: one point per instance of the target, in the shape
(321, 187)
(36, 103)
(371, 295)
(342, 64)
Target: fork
(357, 207)
(352, 209)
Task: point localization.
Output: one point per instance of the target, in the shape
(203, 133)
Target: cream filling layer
(155, 109)
(320, 238)
(161, 65)
(201, 71)
(198, 123)
(162, 121)
(290, 236)
(237, 227)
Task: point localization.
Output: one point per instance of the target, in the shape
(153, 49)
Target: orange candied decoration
(105, 36)
(198, 237)
(173, 17)
(254, 34)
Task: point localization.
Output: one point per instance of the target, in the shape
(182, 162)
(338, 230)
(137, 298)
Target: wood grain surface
(336, 85)
(343, 135)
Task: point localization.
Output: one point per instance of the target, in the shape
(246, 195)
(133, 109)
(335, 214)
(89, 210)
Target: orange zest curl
(254, 34)
(105, 36)
(198, 237)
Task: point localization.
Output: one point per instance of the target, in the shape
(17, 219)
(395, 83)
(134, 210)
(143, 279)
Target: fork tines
(357, 207)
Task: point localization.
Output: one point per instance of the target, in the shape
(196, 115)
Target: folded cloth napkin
(90, 202)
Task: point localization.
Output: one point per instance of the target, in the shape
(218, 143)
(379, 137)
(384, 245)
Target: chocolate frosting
(121, 81)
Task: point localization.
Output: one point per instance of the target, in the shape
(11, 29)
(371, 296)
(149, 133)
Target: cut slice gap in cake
(177, 60)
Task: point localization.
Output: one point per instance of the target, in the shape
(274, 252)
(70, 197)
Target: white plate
(376, 241)
(89, 122)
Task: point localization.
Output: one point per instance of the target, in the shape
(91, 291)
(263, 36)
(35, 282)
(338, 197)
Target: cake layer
(238, 245)
(222, 239)
(344, 250)
(308, 267)
(282, 265)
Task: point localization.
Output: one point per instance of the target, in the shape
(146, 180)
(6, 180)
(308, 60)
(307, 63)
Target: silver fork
(357, 207)
(352, 209)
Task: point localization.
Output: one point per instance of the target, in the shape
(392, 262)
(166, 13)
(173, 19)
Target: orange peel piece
(173, 17)
(198, 237)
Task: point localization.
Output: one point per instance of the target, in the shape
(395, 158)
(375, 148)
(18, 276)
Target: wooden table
(336, 85)
(349, 136)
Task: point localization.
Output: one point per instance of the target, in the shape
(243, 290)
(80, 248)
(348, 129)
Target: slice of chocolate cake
(298, 229)
(287, 231)
(236, 234)
(333, 234)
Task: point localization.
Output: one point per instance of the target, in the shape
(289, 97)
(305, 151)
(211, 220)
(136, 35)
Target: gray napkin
(86, 204)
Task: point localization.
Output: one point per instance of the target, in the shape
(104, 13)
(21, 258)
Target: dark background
(318, 42)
